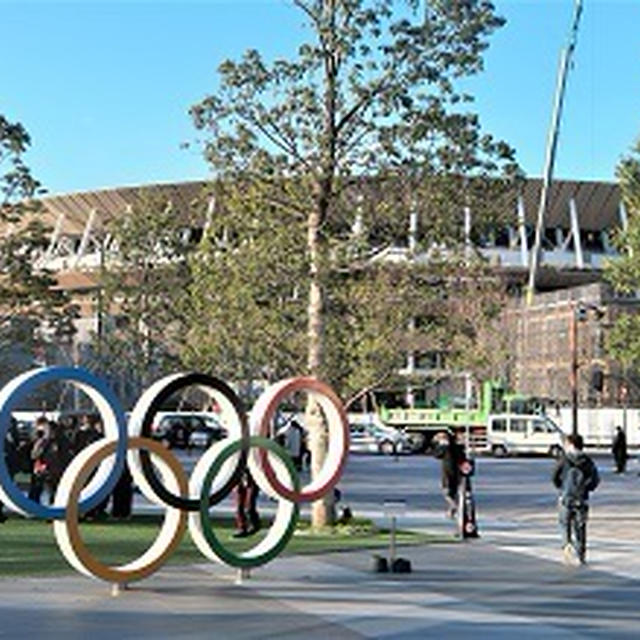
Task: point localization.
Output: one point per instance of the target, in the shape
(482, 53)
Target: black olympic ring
(178, 382)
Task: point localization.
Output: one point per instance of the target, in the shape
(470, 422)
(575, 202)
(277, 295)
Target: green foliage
(375, 88)
(367, 123)
(624, 272)
(143, 277)
(623, 340)
(32, 313)
(245, 306)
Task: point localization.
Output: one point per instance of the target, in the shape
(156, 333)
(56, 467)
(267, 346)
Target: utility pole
(579, 313)
(552, 143)
(573, 346)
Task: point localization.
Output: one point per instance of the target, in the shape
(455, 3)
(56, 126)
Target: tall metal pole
(625, 399)
(552, 143)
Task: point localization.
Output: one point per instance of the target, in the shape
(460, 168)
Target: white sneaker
(570, 556)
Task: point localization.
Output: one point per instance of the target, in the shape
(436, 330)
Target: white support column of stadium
(467, 234)
(211, 209)
(86, 235)
(624, 218)
(522, 230)
(413, 231)
(624, 222)
(559, 237)
(55, 236)
(575, 230)
(357, 228)
(567, 240)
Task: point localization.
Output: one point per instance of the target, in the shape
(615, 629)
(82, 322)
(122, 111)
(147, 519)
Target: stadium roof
(597, 203)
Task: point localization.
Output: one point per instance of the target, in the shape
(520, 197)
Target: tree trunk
(322, 511)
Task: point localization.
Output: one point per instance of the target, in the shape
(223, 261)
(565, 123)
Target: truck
(502, 423)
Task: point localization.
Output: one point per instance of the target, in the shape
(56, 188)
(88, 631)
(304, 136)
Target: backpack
(576, 484)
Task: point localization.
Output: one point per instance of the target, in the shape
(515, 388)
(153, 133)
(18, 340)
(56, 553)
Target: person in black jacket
(575, 476)
(11, 444)
(57, 454)
(619, 450)
(451, 454)
(122, 496)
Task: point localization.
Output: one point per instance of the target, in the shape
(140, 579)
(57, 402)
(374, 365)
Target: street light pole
(625, 398)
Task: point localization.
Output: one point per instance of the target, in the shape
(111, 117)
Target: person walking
(619, 450)
(575, 476)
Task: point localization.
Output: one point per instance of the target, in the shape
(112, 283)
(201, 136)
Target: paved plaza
(474, 590)
(508, 584)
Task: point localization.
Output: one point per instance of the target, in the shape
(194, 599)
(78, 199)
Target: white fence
(597, 426)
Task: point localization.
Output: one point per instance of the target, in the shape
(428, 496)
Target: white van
(512, 434)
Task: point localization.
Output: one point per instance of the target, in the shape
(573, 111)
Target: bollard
(467, 524)
(392, 541)
(117, 588)
(392, 509)
(242, 574)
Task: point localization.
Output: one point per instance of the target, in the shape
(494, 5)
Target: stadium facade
(580, 221)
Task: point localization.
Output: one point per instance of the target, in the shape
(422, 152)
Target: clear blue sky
(104, 88)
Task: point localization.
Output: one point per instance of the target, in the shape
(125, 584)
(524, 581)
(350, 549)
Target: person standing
(89, 432)
(575, 476)
(291, 438)
(619, 450)
(122, 496)
(56, 455)
(11, 444)
(86, 434)
(247, 518)
(451, 455)
(38, 463)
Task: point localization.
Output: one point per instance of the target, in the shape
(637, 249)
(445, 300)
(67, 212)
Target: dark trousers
(122, 496)
(573, 526)
(36, 486)
(246, 507)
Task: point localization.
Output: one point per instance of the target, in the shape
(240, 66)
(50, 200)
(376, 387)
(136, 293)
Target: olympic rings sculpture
(94, 471)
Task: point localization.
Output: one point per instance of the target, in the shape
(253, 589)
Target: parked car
(182, 430)
(374, 438)
(203, 436)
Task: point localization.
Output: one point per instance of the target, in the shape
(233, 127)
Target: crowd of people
(45, 455)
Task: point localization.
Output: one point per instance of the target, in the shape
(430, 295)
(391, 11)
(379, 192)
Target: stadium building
(579, 224)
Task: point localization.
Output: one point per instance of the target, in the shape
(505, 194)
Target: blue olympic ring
(115, 426)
